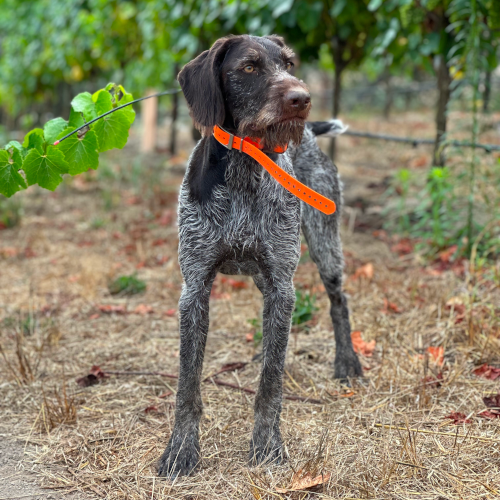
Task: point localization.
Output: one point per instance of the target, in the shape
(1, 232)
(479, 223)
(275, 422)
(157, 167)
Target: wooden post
(149, 112)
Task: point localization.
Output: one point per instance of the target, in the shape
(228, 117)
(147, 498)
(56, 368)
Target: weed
(10, 212)
(58, 409)
(305, 307)
(97, 223)
(22, 368)
(127, 285)
(257, 334)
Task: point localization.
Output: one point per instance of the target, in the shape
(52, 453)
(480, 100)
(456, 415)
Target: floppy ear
(200, 82)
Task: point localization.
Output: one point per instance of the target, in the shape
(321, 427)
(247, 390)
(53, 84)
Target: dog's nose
(298, 99)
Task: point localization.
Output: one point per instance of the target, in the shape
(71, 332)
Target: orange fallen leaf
(362, 347)
(365, 271)
(303, 481)
(143, 309)
(249, 337)
(437, 354)
(170, 312)
(109, 309)
(234, 283)
(390, 307)
(95, 316)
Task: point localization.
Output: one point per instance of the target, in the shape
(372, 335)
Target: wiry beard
(277, 134)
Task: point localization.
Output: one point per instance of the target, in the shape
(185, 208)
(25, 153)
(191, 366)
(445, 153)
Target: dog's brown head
(245, 84)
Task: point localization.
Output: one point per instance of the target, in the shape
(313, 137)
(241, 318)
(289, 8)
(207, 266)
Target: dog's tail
(331, 128)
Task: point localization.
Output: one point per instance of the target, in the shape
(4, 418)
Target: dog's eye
(249, 69)
(289, 65)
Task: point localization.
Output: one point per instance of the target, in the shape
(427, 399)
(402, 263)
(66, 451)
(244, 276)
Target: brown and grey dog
(234, 218)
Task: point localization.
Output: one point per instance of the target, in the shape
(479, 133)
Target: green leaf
(374, 5)
(11, 181)
(283, 6)
(34, 140)
(53, 128)
(75, 119)
(338, 7)
(45, 169)
(16, 146)
(126, 97)
(80, 153)
(112, 130)
(83, 103)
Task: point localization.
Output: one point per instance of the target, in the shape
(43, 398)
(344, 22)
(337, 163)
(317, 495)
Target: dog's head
(246, 83)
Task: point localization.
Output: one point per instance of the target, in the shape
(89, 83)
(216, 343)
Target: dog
(234, 218)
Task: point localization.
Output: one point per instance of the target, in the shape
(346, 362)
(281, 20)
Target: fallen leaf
(446, 255)
(109, 309)
(493, 402)
(151, 409)
(166, 394)
(92, 378)
(487, 371)
(249, 337)
(403, 247)
(95, 316)
(236, 284)
(489, 414)
(170, 312)
(365, 271)
(303, 481)
(459, 418)
(431, 381)
(436, 354)
(390, 307)
(143, 309)
(362, 347)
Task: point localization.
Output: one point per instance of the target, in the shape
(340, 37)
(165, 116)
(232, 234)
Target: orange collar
(290, 183)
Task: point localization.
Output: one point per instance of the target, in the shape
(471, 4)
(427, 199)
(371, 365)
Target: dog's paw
(180, 458)
(265, 449)
(347, 365)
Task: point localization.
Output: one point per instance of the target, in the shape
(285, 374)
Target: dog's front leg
(279, 301)
(183, 450)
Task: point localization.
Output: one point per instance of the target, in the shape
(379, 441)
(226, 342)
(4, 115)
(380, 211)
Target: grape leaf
(75, 119)
(83, 103)
(129, 110)
(16, 146)
(53, 128)
(80, 153)
(34, 139)
(45, 169)
(112, 130)
(11, 180)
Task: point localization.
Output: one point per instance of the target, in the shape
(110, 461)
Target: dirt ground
(395, 434)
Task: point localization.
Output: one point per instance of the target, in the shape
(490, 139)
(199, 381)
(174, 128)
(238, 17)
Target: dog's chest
(250, 210)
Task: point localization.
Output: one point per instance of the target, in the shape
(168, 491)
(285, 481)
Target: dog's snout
(297, 99)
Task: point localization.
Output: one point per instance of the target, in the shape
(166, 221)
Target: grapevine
(44, 157)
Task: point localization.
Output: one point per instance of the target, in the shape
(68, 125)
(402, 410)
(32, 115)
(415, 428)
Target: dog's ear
(201, 84)
(278, 40)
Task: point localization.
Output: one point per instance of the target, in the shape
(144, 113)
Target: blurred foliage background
(50, 50)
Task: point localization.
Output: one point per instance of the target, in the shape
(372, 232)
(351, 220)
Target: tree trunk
(443, 84)
(340, 64)
(388, 95)
(487, 91)
(149, 117)
(173, 125)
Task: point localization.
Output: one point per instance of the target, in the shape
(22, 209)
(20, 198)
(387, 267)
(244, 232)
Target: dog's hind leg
(279, 301)
(321, 231)
(183, 450)
(325, 248)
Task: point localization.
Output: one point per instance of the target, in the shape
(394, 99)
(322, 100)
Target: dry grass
(385, 437)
